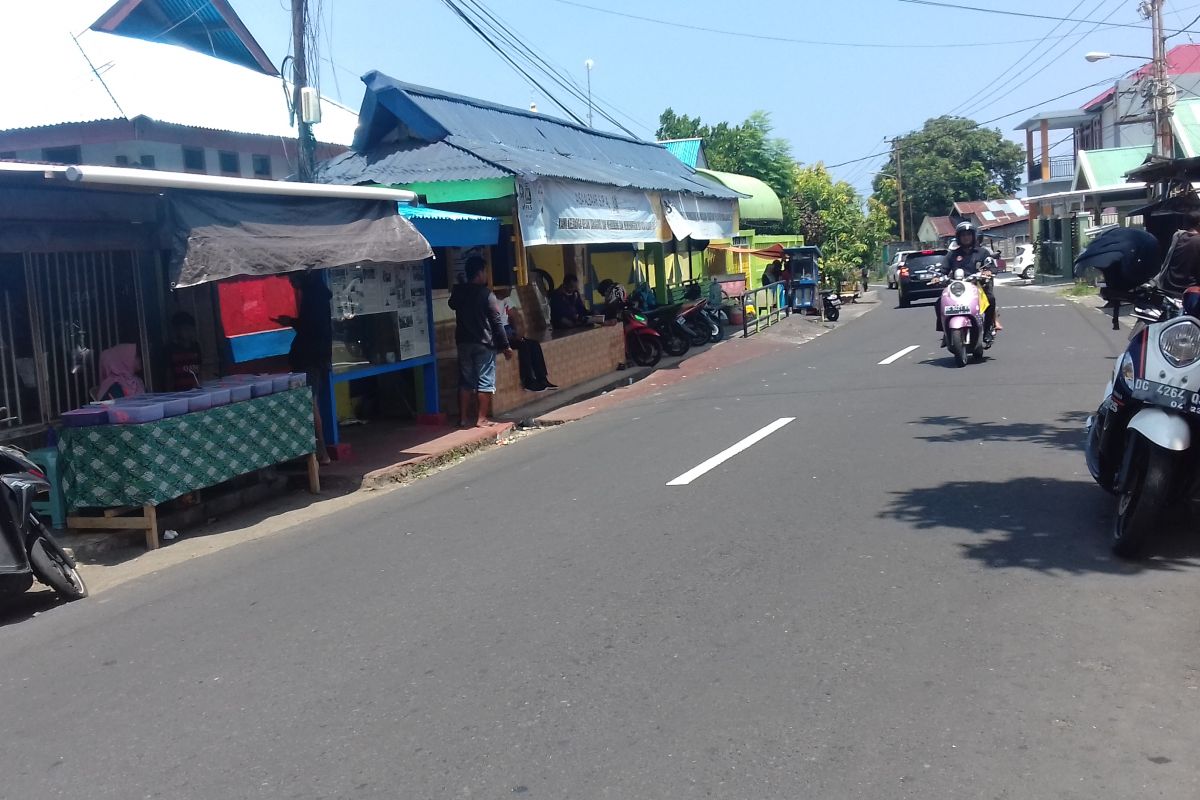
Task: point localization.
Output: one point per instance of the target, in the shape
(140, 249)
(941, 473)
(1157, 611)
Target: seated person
(567, 308)
(119, 366)
(530, 359)
(615, 298)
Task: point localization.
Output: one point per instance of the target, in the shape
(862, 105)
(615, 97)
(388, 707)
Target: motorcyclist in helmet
(969, 255)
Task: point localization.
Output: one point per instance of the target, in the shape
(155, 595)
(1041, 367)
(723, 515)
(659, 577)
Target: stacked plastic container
(154, 407)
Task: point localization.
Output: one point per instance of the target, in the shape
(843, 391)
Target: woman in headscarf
(118, 373)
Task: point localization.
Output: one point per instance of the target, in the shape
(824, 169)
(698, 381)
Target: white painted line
(728, 453)
(897, 356)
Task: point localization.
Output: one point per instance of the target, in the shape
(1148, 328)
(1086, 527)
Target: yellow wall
(614, 266)
(548, 257)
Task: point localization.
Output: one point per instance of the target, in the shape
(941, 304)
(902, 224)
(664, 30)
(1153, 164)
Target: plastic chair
(55, 508)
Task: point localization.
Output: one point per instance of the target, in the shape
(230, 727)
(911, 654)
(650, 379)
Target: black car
(915, 273)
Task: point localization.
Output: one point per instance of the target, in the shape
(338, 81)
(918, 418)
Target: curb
(415, 468)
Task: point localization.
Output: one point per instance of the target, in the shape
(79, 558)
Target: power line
(564, 72)
(535, 59)
(1186, 28)
(997, 119)
(1058, 57)
(501, 52)
(1027, 15)
(1023, 58)
(788, 39)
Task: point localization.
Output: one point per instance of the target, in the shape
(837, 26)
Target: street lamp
(589, 64)
(1097, 56)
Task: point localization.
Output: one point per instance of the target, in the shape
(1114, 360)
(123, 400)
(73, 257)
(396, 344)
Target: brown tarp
(217, 236)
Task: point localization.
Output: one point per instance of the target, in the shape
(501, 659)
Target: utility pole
(1162, 91)
(899, 187)
(307, 142)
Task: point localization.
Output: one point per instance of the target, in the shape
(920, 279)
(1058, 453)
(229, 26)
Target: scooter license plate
(1163, 395)
(956, 310)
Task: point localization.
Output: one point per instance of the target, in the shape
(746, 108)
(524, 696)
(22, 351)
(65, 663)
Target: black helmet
(966, 227)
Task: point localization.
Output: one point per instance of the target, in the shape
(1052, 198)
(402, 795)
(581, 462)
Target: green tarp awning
(760, 203)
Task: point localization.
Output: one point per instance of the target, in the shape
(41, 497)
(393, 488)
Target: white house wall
(167, 156)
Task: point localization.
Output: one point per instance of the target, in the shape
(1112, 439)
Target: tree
(951, 159)
(832, 216)
(826, 213)
(746, 149)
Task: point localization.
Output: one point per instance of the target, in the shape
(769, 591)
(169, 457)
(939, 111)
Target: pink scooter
(963, 307)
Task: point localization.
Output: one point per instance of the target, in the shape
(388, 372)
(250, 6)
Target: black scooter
(27, 550)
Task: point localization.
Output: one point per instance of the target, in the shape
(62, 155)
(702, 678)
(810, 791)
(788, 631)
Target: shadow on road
(1066, 432)
(25, 606)
(1042, 524)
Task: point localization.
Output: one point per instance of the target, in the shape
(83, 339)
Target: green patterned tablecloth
(130, 465)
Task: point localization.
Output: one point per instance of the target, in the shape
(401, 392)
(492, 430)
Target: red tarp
(247, 304)
(774, 251)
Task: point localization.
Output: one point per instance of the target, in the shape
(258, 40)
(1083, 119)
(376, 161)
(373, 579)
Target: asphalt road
(904, 593)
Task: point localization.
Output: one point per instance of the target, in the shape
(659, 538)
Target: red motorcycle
(643, 344)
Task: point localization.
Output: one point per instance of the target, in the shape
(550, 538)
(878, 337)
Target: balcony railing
(1060, 167)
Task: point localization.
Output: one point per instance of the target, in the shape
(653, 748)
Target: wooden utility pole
(1162, 90)
(899, 188)
(307, 142)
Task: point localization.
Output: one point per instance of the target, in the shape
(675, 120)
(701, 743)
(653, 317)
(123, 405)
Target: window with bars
(60, 310)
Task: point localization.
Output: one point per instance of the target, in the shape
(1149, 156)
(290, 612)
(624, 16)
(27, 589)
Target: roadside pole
(306, 166)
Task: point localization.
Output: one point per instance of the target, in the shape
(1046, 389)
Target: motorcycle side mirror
(1191, 302)
(24, 489)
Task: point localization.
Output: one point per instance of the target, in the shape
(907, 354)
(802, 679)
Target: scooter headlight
(1127, 372)
(957, 289)
(1180, 343)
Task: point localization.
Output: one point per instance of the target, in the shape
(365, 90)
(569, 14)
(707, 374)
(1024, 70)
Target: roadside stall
(115, 462)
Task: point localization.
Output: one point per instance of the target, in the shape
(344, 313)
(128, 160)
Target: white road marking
(728, 453)
(897, 356)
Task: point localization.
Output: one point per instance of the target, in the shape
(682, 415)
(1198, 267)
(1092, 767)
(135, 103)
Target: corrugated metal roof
(414, 162)
(686, 150)
(993, 213)
(1185, 123)
(425, 212)
(1107, 167)
(511, 140)
(942, 226)
(49, 81)
(210, 27)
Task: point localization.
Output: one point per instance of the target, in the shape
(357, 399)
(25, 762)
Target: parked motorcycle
(27, 550)
(1139, 440)
(670, 323)
(963, 307)
(705, 323)
(833, 305)
(643, 345)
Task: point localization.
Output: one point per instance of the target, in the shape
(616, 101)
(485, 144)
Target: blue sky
(832, 103)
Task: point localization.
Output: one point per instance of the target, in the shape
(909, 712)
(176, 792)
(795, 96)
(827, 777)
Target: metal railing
(767, 305)
(1060, 167)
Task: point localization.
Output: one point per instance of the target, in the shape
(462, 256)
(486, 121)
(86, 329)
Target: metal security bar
(82, 304)
(12, 412)
(768, 305)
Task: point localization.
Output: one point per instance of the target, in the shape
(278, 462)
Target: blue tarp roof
(450, 228)
(411, 133)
